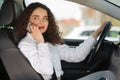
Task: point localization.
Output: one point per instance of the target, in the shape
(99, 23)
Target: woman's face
(39, 17)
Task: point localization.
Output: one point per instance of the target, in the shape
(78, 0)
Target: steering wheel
(100, 40)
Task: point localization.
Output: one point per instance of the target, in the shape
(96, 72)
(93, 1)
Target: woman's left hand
(98, 31)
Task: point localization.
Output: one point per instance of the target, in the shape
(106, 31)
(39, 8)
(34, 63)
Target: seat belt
(54, 77)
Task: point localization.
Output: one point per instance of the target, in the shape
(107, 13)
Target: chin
(42, 31)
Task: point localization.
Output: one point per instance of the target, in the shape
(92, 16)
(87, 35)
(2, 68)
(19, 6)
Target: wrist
(40, 41)
(96, 33)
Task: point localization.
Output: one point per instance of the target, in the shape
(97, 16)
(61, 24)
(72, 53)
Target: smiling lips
(41, 27)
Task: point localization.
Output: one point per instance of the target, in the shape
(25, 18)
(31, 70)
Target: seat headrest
(10, 10)
(6, 13)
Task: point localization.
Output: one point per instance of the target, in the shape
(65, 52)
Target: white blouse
(44, 56)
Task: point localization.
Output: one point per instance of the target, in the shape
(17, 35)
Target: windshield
(72, 17)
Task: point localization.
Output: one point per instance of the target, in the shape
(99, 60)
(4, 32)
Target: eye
(35, 18)
(45, 19)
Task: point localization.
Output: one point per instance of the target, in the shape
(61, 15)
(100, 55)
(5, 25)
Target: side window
(86, 33)
(1, 2)
(72, 17)
(113, 34)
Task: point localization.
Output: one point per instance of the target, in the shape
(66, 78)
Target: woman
(41, 44)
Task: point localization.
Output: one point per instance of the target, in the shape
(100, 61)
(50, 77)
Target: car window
(70, 16)
(86, 33)
(1, 2)
(113, 34)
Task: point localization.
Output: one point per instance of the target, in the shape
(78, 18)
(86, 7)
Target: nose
(41, 21)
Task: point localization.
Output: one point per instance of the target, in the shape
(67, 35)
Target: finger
(103, 25)
(32, 28)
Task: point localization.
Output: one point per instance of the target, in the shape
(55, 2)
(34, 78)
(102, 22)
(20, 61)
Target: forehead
(39, 11)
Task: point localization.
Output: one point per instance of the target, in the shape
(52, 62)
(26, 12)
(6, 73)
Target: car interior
(15, 66)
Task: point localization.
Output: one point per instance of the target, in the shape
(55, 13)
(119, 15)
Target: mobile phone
(30, 24)
(28, 27)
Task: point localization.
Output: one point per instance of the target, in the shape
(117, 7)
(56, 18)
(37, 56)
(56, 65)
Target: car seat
(13, 64)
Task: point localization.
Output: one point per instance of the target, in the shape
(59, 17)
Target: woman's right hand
(36, 34)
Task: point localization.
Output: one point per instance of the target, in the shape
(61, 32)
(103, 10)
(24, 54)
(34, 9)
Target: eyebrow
(38, 16)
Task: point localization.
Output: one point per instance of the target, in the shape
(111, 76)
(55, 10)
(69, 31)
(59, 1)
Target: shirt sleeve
(39, 57)
(78, 53)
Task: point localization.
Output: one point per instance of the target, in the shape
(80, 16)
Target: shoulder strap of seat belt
(54, 77)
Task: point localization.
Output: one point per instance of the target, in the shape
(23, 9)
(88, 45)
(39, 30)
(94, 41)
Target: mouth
(41, 27)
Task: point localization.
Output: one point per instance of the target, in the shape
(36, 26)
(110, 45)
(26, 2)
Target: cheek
(46, 28)
(46, 25)
(31, 20)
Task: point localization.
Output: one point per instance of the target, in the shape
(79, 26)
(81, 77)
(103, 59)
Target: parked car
(82, 33)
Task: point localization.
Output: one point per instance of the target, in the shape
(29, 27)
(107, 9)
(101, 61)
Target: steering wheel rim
(100, 40)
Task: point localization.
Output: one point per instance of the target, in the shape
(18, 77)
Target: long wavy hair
(52, 35)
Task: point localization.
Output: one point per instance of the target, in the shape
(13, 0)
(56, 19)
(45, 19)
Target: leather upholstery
(13, 64)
